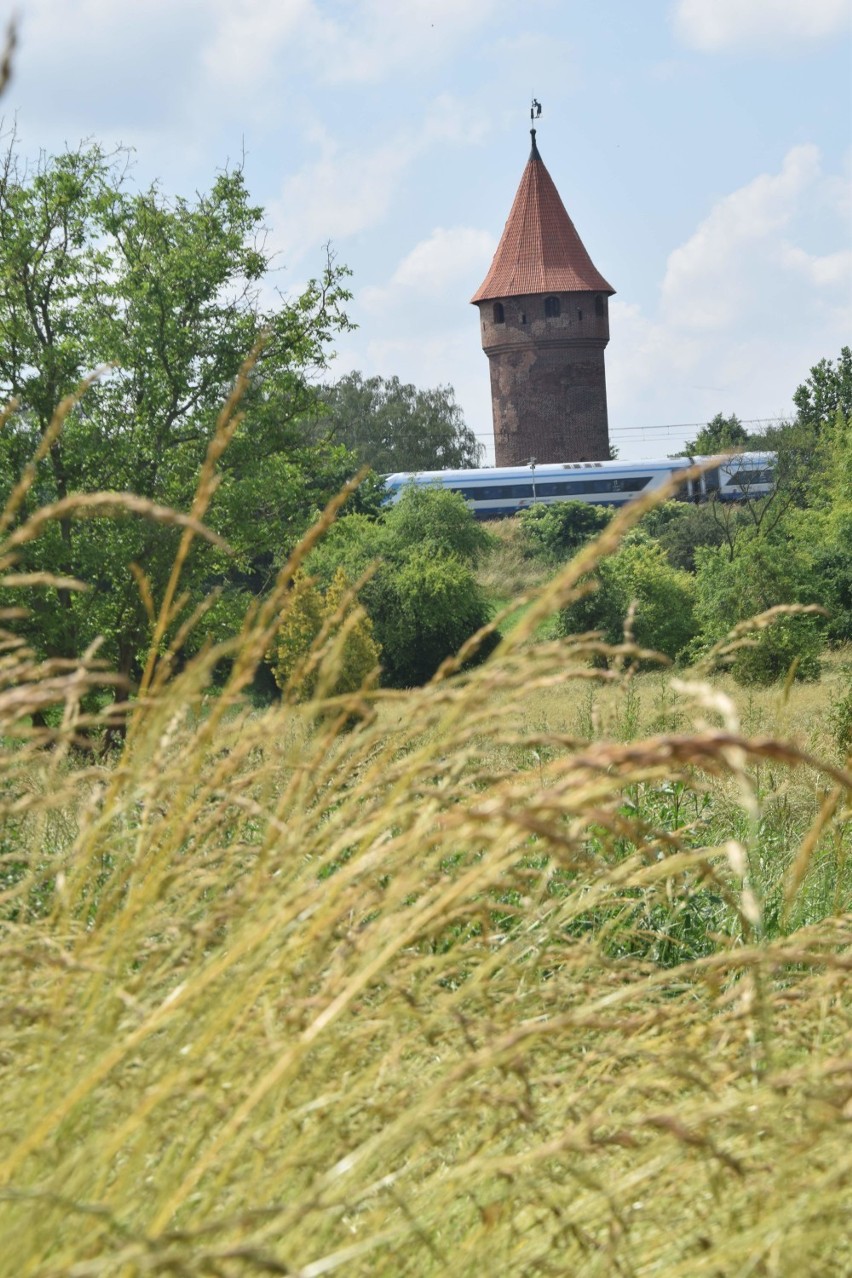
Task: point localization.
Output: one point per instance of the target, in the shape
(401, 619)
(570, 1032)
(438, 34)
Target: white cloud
(831, 270)
(384, 38)
(366, 41)
(339, 194)
(746, 307)
(248, 39)
(345, 191)
(712, 25)
(708, 277)
(446, 259)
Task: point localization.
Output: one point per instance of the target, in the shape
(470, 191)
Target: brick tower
(545, 323)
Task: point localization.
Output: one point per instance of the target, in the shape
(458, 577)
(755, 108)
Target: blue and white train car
(500, 491)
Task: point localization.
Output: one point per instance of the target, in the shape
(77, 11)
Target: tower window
(579, 315)
(499, 313)
(600, 306)
(551, 307)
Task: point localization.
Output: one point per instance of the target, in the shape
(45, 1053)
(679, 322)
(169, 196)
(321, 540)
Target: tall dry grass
(415, 983)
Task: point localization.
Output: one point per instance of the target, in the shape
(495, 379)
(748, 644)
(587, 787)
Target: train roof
(490, 473)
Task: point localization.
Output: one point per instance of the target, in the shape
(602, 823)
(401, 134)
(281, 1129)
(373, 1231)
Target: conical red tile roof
(539, 250)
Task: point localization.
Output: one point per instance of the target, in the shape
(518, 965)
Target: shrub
(558, 531)
(438, 517)
(426, 606)
(423, 599)
(681, 527)
(832, 578)
(789, 643)
(763, 573)
(306, 613)
(841, 722)
(638, 573)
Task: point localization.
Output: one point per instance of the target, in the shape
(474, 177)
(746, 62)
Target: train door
(711, 482)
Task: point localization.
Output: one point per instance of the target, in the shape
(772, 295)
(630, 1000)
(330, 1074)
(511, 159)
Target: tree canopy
(393, 426)
(423, 596)
(167, 293)
(827, 391)
(718, 436)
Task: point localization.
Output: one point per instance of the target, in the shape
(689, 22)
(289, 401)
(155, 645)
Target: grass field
(536, 970)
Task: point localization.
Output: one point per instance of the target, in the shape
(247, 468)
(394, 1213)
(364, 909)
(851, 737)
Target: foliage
(438, 518)
(483, 996)
(819, 521)
(826, 392)
(682, 527)
(764, 573)
(638, 575)
(423, 599)
(394, 426)
(298, 628)
(841, 721)
(720, 435)
(559, 530)
(309, 615)
(168, 291)
(426, 606)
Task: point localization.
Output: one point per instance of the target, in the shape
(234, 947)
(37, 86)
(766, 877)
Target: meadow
(539, 969)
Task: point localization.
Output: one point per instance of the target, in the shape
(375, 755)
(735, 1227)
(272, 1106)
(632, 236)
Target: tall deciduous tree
(167, 292)
(423, 597)
(392, 426)
(718, 436)
(827, 391)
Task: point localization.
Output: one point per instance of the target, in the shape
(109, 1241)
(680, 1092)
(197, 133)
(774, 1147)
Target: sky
(703, 149)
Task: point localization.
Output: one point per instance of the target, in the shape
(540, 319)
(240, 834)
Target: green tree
(392, 426)
(427, 605)
(827, 391)
(640, 575)
(310, 612)
(823, 536)
(559, 530)
(439, 518)
(766, 571)
(719, 436)
(168, 292)
(423, 598)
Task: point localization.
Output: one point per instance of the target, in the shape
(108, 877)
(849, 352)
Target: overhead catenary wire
(668, 427)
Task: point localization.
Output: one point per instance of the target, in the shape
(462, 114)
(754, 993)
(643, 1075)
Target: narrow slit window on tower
(579, 314)
(600, 306)
(499, 313)
(551, 307)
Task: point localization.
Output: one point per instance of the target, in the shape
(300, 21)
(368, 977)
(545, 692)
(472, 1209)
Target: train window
(630, 484)
(711, 480)
(497, 492)
(742, 478)
(499, 313)
(551, 307)
(586, 487)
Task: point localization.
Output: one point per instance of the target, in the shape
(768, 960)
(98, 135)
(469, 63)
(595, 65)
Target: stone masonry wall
(548, 381)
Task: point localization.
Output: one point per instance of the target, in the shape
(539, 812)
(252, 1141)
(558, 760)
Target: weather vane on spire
(535, 109)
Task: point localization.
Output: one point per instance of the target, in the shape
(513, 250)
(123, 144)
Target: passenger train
(501, 491)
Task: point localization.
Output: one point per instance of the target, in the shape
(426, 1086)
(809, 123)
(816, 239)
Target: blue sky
(703, 149)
